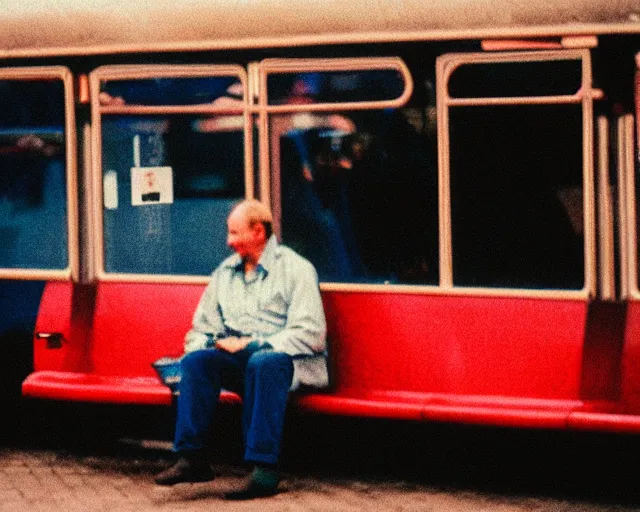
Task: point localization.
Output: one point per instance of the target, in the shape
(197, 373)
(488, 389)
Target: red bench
(110, 335)
(106, 336)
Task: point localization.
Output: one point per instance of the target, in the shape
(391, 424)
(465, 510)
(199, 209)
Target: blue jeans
(263, 378)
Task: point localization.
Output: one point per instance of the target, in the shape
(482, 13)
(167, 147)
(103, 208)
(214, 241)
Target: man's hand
(232, 344)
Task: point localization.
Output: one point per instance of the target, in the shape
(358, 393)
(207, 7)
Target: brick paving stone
(15, 469)
(70, 480)
(10, 495)
(27, 484)
(5, 483)
(13, 506)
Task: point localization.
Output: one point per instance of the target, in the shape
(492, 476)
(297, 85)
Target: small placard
(151, 185)
(110, 190)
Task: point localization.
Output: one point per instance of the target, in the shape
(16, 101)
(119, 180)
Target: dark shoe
(185, 470)
(262, 483)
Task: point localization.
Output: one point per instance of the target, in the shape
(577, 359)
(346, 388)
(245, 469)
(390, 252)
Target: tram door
(501, 308)
(523, 148)
(517, 214)
(626, 164)
(38, 218)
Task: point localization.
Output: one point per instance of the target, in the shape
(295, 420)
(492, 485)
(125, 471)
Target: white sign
(110, 190)
(151, 185)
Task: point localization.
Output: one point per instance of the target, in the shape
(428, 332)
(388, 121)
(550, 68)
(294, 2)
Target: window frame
(269, 149)
(627, 207)
(445, 66)
(141, 72)
(605, 204)
(628, 141)
(71, 271)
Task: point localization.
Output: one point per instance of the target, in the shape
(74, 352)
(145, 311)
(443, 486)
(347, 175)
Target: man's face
(245, 240)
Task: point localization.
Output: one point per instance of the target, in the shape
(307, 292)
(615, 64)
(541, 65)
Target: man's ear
(259, 231)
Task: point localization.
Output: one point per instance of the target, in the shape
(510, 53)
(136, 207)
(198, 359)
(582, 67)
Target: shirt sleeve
(207, 321)
(305, 329)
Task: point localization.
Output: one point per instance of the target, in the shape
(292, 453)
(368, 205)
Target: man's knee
(268, 361)
(200, 360)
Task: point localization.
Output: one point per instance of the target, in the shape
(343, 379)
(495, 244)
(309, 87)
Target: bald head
(254, 212)
(248, 230)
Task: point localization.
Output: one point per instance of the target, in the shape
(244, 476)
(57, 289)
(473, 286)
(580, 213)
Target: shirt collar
(269, 254)
(266, 260)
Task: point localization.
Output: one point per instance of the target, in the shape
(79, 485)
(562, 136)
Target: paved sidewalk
(85, 459)
(60, 480)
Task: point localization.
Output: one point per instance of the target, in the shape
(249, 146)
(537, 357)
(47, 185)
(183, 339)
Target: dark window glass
(150, 233)
(334, 86)
(33, 197)
(359, 195)
(171, 91)
(516, 196)
(516, 79)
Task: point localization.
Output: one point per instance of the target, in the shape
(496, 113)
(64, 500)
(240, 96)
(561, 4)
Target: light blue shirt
(278, 303)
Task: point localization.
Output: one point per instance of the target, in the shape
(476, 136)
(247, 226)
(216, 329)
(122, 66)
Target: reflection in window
(33, 215)
(335, 86)
(516, 196)
(359, 195)
(171, 91)
(187, 235)
(516, 79)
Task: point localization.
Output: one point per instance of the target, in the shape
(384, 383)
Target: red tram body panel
(480, 360)
(462, 175)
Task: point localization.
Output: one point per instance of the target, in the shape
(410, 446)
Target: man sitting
(259, 329)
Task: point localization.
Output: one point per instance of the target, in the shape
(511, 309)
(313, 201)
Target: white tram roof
(72, 27)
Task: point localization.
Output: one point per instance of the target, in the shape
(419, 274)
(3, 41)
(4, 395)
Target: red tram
(463, 175)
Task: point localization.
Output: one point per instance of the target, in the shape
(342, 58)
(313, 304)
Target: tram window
(33, 211)
(516, 79)
(170, 91)
(335, 86)
(185, 235)
(358, 195)
(516, 196)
